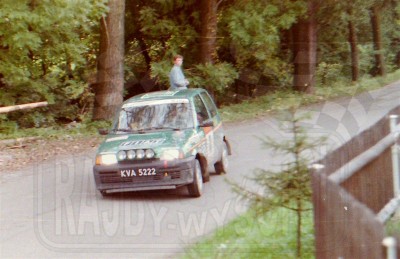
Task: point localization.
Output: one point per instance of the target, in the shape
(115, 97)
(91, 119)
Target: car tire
(222, 165)
(196, 188)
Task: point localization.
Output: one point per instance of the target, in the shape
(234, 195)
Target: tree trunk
(305, 51)
(298, 232)
(397, 60)
(208, 12)
(2, 84)
(396, 41)
(354, 51)
(110, 62)
(377, 38)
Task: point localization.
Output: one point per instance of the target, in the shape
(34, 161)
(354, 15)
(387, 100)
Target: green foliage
(11, 130)
(248, 40)
(366, 61)
(8, 127)
(279, 100)
(254, 32)
(334, 17)
(290, 187)
(42, 52)
(391, 34)
(48, 49)
(398, 13)
(352, 89)
(286, 99)
(216, 77)
(328, 73)
(165, 24)
(160, 70)
(255, 236)
(392, 226)
(293, 182)
(158, 30)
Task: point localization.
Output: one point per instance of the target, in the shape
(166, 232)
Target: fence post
(395, 155)
(390, 243)
(320, 225)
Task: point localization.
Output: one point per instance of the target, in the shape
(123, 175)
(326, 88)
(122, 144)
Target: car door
(217, 134)
(206, 128)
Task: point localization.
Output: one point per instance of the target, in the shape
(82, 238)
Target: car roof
(162, 95)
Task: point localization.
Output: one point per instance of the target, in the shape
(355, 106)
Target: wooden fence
(347, 202)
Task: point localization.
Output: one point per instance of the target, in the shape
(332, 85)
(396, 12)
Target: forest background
(84, 57)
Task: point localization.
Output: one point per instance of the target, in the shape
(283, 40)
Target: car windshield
(154, 116)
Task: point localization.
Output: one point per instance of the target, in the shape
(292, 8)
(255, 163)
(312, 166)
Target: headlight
(171, 154)
(149, 153)
(140, 153)
(107, 159)
(131, 154)
(121, 155)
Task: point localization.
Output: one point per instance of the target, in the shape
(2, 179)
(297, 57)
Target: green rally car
(162, 140)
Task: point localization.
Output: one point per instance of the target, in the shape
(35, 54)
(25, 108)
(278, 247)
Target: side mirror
(103, 131)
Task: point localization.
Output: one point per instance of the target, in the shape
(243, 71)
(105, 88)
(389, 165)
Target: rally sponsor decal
(116, 138)
(148, 142)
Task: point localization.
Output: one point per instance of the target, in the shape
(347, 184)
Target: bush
(328, 74)
(213, 77)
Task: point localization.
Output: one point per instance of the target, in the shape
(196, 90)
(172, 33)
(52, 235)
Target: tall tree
(353, 41)
(305, 50)
(208, 35)
(346, 22)
(377, 38)
(110, 64)
(355, 11)
(395, 7)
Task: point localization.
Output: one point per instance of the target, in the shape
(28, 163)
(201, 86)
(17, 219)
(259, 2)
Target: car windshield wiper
(170, 128)
(160, 128)
(122, 130)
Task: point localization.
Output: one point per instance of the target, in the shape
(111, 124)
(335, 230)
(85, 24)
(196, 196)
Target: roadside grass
(272, 235)
(284, 99)
(73, 129)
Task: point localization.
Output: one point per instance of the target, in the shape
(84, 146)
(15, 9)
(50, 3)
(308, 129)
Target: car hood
(183, 139)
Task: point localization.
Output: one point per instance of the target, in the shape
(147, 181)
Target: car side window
(209, 103)
(201, 109)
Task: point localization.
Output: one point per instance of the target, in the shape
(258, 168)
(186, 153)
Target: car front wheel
(196, 188)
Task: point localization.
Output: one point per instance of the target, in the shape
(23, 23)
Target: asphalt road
(53, 210)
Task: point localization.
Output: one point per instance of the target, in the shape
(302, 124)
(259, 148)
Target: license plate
(138, 172)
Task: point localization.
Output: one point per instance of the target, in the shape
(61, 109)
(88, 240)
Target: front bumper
(169, 175)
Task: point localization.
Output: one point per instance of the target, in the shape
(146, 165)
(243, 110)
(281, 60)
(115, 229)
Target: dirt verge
(19, 153)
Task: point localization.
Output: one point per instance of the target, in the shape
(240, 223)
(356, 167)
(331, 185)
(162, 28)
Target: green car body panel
(161, 157)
